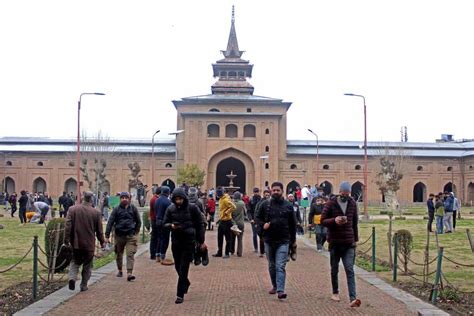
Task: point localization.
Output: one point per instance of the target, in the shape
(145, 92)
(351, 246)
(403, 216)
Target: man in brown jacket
(83, 224)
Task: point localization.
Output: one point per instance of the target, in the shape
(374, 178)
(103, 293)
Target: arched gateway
(231, 159)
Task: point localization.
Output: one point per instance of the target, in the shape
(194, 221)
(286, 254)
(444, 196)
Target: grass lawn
(414, 210)
(456, 247)
(15, 240)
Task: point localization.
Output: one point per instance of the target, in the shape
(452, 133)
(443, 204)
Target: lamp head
(99, 93)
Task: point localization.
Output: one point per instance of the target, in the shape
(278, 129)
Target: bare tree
(97, 152)
(394, 161)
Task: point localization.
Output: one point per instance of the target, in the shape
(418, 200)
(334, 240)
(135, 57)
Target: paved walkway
(235, 286)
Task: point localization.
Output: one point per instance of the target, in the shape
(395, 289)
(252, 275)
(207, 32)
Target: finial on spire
(233, 14)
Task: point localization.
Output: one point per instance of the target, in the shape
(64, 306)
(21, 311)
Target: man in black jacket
(22, 204)
(126, 223)
(251, 215)
(187, 229)
(277, 220)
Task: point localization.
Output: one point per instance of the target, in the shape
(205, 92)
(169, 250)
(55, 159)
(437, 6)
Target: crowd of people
(445, 207)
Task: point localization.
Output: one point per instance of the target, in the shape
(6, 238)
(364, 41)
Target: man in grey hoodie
(238, 217)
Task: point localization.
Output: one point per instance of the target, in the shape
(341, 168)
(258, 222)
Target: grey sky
(413, 61)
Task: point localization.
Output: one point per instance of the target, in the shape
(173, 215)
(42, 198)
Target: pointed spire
(232, 45)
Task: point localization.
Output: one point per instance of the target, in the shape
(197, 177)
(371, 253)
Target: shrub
(383, 212)
(146, 220)
(63, 259)
(405, 245)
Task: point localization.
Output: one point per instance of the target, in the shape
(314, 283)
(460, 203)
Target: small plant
(449, 294)
(55, 232)
(405, 245)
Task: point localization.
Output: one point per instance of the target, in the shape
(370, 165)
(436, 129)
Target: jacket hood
(181, 193)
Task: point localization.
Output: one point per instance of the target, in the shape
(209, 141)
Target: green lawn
(16, 239)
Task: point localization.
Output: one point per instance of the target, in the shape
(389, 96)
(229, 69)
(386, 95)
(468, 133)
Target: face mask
(343, 198)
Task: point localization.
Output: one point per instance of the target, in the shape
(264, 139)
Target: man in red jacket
(340, 216)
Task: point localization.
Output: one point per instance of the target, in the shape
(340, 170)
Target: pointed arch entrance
(169, 183)
(327, 187)
(70, 185)
(419, 192)
(248, 176)
(357, 191)
(291, 187)
(9, 185)
(225, 167)
(470, 193)
(449, 187)
(39, 185)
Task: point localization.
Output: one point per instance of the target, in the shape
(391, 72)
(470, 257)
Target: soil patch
(19, 296)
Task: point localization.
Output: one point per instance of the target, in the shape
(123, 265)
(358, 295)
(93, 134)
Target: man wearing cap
(161, 205)
(83, 225)
(340, 216)
(126, 223)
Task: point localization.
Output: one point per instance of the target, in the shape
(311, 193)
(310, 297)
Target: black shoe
(197, 259)
(84, 288)
(217, 255)
(205, 258)
(130, 277)
(282, 296)
(72, 285)
(179, 300)
(226, 257)
(119, 274)
(153, 258)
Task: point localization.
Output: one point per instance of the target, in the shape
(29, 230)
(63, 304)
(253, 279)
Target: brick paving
(235, 286)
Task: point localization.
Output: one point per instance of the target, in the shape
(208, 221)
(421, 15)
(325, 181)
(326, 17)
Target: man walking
(152, 217)
(161, 205)
(238, 217)
(340, 216)
(83, 225)
(226, 208)
(251, 214)
(431, 211)
(126, 223)
(277, 220)
(187, 231)
(22, 203)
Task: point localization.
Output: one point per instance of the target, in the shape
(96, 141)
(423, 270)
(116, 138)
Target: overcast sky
(413, 60)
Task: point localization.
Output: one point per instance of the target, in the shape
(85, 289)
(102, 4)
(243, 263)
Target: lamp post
(78, 153)
(317, 157)
(153, 158)
(176, 152)
(366, 212)
(263, 157)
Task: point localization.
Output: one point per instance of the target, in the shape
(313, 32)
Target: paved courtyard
(235, 286)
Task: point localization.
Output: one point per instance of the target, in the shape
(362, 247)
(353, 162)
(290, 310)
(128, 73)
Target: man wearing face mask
(276, 219)
(126, 223)
(340, 216)
(188, 228)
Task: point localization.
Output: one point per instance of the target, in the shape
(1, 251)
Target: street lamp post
(78, 153)
(317, 157)
(176, 152)
(366, 212)
(153, 158)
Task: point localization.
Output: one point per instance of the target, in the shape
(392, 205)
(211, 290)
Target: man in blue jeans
(163, 232)
(340, 216)
(276, 220)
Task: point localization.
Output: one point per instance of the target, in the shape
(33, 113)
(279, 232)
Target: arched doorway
(39, 185)
(449, 187)
(291, 187)
(470, 193)
(419, 192)
(9, 185)
(70, 186)
(327, 187)
(225, 167)
(357, 191)
(169, 183)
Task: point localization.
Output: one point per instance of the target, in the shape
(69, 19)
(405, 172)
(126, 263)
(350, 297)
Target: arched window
(267, 165)
(267, 149)
(223, 74)
(326, 167)
(213, 130)
(214, 110)
(39, 164)
(241, 74)
(9, 163)
(168, 165)
(419, 168)
(232, 74)
(293, 166)
(357, 167)
(71, 164)
(450, 168)
(266, 183)
(249, 130)
(231, 130)
(267, 131)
